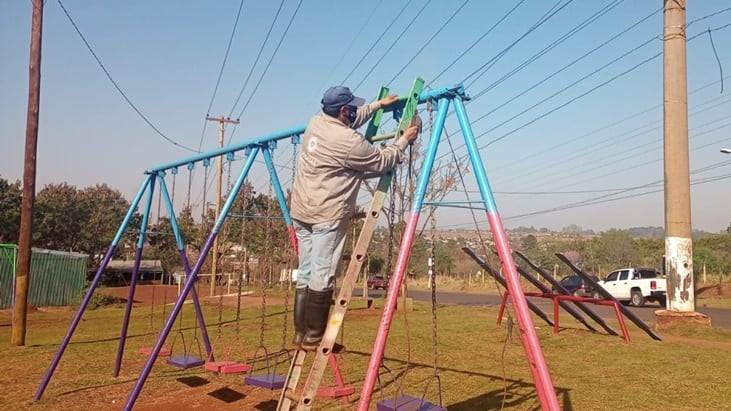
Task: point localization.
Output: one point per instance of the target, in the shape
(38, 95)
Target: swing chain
(263, 311)
(245, 263)
(432, 268)
(391, 221)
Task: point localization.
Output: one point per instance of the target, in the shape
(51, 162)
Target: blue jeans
(320, 252)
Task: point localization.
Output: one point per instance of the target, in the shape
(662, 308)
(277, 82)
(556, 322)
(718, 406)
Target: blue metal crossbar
(294, 132)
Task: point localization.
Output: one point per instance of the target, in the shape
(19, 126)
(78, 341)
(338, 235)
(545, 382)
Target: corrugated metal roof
(127, 266)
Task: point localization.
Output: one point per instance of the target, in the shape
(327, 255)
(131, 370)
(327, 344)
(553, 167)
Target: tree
(103, 210)
(59, 215)
(616, 248)
(10, 197)
(528, 242)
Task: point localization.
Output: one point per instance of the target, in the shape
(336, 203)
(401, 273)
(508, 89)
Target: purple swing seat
(268, 381)
(407, 403)
(186, 361)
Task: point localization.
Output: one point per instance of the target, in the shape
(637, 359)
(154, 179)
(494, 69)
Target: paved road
(720, 317)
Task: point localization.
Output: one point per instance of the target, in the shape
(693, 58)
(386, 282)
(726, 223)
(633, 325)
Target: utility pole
(219, 177)
(678, 230)
(22, 278)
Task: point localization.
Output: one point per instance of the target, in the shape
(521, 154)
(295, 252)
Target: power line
(505, 16)
(220, 72)
(350, 46)
(397, 39)
(439, 30)
(554, 147)
(556, 43)
(266, 69)
(486, 66)
(383, 33)
(584, 94)
(256, 60)
(116, 86)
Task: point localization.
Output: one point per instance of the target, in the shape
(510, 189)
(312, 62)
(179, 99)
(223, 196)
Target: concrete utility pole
(678, 231)
(22, 278)
(219, 177)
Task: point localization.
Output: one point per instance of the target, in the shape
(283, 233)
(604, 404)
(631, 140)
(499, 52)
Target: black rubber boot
(300, 316)
(318, 312)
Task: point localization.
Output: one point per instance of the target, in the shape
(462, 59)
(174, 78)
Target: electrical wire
(396, 40)
(256, 60)
(220, 73)
(266, 69)
(482, 37)
(439, 30)
(375, 43)
(487, 65)
(117, 87)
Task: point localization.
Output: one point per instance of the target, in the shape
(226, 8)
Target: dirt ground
(146, 295)
(204, 391)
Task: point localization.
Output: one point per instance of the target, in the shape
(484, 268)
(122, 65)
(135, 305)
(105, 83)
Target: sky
(566, 95)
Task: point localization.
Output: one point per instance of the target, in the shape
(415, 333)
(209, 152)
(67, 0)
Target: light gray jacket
(331, 164)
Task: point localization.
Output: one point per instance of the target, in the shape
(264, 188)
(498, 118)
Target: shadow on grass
(268, 405)
(193, 381)
(510, 396)
(226, 395)
(93, 387)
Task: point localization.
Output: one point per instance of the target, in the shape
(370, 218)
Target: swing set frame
(444, 97)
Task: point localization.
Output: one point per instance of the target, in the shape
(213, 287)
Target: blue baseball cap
(340, 96)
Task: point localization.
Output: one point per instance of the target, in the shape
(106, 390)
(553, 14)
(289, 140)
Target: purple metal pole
(92, 288)
(133, 282)
(186, 265)
(127, 312)
(191, 279)
(189, 283)
(531, 344)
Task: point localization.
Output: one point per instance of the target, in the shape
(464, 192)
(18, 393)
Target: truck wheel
(663, 301)
(637, 299)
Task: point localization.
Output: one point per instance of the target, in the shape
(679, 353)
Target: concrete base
(665, 319)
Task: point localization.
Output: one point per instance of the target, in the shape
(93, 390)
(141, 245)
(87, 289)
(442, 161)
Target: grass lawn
(481, 366)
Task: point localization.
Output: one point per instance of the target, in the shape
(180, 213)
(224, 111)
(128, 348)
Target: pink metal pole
(390, 306)
(541, 376)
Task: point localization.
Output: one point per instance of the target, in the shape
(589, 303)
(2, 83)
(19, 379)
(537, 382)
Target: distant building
(119, 272)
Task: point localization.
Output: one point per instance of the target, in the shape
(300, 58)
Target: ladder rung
(292, 396)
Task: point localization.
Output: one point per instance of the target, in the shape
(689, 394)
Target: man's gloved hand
(411, 133)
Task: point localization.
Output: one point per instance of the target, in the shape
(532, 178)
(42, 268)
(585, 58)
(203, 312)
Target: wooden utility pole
(678, 232)
(22, 277)
(219, 177)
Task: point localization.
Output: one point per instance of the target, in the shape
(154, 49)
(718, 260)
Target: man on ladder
(333, 160)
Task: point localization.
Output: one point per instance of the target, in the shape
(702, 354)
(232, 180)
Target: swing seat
(407, 403)
(227, 367)
(335, 391)
(268, 381)
(186, 361)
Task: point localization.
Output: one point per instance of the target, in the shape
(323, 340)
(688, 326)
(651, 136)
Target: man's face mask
(351, 113)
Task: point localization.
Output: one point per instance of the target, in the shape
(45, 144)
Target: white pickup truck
(636, 285)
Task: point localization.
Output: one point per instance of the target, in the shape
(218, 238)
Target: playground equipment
(230, 363)
(443, 98)
(406, 402)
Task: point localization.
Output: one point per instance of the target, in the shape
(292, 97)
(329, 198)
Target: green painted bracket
(376, 119)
